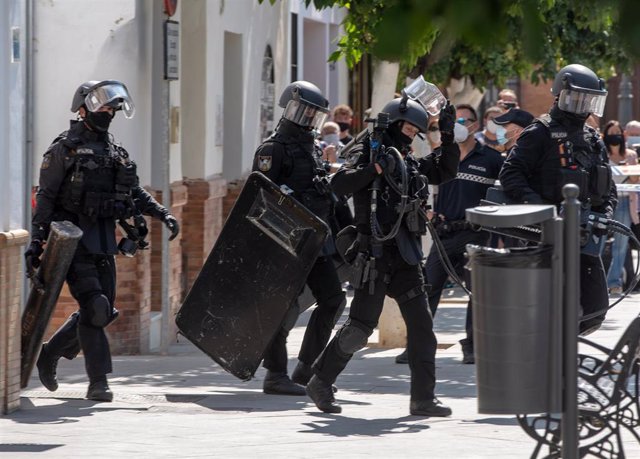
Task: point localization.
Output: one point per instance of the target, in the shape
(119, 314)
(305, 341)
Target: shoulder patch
(46, 162)
(264, 163)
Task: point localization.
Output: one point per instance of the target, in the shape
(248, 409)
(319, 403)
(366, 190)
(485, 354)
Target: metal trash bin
(515, 347)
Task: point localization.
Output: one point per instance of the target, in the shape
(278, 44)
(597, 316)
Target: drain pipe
(28, 124)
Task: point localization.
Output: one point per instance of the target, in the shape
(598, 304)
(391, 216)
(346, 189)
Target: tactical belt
(444, 227)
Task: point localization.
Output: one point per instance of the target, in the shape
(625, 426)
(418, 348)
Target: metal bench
(608, 401)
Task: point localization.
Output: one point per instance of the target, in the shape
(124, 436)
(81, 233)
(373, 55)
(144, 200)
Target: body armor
(304, 173)
(100, 181)
(583, 162)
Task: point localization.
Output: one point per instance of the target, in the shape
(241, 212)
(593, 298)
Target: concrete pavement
(184, 405)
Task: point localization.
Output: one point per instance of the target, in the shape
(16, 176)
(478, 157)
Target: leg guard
(352, 337)
(98, 312)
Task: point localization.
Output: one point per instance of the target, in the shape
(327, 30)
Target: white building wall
(246, 27)
(81, 40)
(12, 117)
(255, 26)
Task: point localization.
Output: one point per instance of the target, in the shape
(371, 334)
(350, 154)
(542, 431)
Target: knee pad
(98, 312)
(352, 338)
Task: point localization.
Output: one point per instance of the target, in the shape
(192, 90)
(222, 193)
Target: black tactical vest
(302, 171)
(583, 161)
(99, 181)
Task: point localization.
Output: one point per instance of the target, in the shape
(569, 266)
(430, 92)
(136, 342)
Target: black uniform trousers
(326, 288)
(89, 275)
(455, 244)
(593, 290)
(396, 278)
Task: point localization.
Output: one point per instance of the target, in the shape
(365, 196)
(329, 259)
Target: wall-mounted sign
(171, 50)
(15, 44)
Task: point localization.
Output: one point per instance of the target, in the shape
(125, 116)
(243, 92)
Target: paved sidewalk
(183, 405)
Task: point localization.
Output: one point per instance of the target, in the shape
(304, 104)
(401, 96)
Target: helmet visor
(304, 115)
(113, 95)
(581, 103)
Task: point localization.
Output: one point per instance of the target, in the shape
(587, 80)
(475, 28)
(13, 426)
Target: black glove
(32, 256)
(446, 123)
(386, 162)
(172, 224)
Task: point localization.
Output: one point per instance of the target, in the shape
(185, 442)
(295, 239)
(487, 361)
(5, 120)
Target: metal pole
(28, 123)
(625, 100)
(569, 426)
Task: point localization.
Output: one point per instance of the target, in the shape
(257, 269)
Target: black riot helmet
(403, 109)
(96, 94)
(579, 90)
(304, 105)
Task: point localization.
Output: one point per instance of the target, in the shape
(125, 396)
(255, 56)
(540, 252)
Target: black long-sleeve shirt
(357, 179)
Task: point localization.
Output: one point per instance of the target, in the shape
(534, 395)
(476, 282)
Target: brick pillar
(129, 334)
(233, 191)
(536, 99)
(202, 223)
(178, 201)
(11, 277)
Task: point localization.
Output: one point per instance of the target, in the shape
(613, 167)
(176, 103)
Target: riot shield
(47, 284)
(254, 272)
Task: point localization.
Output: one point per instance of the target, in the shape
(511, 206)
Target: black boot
(47, 366)
(322, 395)
(467, 352)
(302, 374)
(402, 358)
(99, 391)
(280, 384)
(432, 408)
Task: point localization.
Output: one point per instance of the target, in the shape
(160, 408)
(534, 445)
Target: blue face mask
(633, 140)
(501, 135)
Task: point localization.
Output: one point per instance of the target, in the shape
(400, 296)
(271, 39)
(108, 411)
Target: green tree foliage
(489, 40)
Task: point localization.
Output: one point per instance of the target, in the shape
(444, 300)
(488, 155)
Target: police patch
(46, 162)
(264, 163)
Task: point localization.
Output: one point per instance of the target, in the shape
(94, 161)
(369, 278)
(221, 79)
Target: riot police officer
(557, 149)
(88, 180)
(385, 251)
(292, 159)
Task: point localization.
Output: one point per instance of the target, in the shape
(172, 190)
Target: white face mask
(331, 139)
(491, 126)
(434, 137)
(460, 133)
